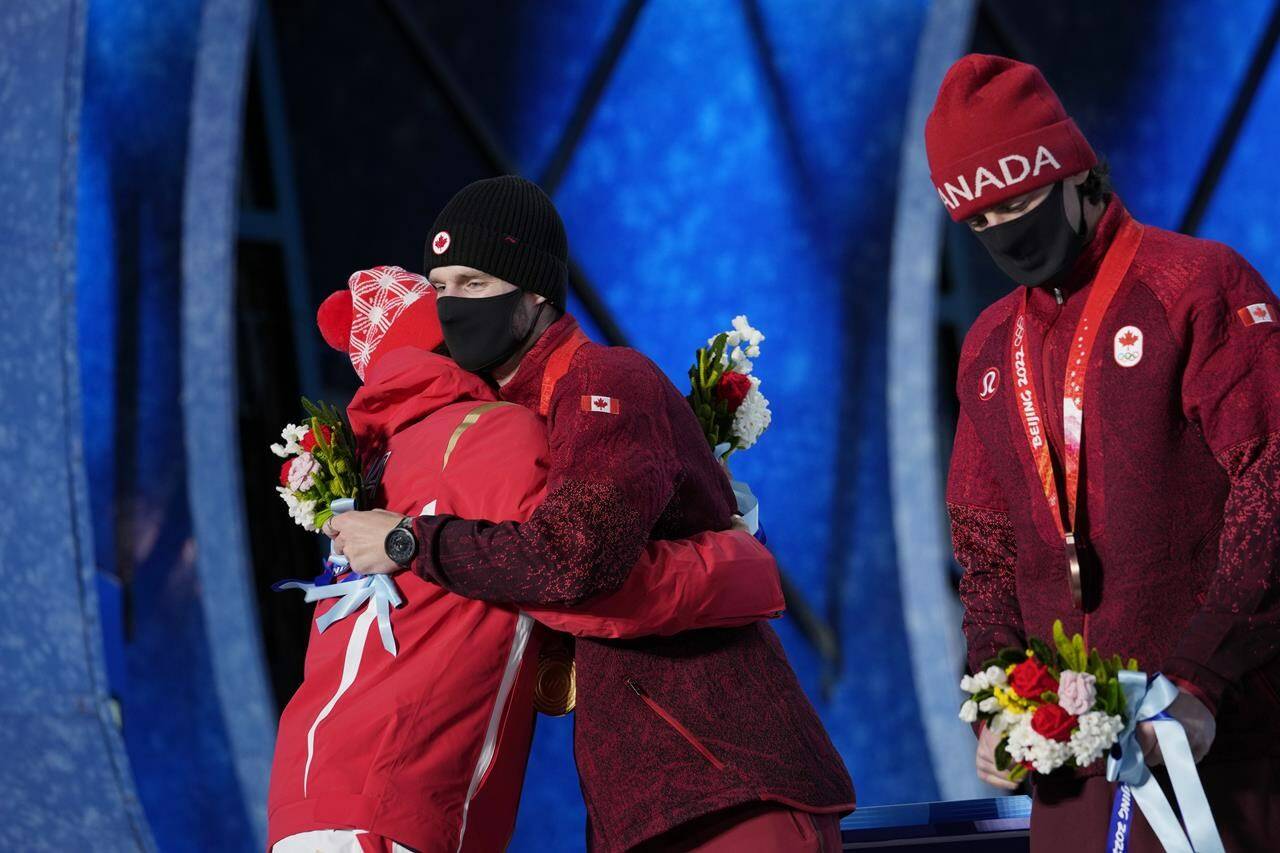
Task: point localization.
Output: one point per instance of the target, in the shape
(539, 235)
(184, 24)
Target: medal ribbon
(1106, 284)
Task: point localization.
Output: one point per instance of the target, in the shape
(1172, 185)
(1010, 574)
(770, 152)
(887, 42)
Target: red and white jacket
(428, 747)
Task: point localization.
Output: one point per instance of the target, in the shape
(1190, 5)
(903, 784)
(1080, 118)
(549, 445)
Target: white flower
(301, 511)
(1026, 744)
(969, 711)
(292, 435)
(752, 418)
(744, 330)
(278, 450)
(753, 351)
(995, 676)
(967, 684)
(989, 705)
(1000, 722)
(302, 472)
(739, 362)
(1096, 731)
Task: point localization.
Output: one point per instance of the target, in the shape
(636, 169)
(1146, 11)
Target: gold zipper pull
(635, 687)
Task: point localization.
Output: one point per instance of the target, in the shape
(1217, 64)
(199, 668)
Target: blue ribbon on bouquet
(354, 590)
(379, 589)
(1127, 765)
(748, 506)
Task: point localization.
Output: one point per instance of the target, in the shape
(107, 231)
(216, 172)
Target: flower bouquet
(1065, 706)
(724, 394)
(1052, 706)
(319, 467)
(319, 479)
(726, 398)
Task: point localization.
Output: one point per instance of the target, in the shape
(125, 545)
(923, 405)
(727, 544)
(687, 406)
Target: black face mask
(1037, 246)
(481, 333)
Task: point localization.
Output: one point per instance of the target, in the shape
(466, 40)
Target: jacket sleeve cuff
(426, 564)
(1201, 683)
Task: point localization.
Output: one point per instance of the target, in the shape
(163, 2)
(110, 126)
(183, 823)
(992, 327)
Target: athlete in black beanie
(497, 255)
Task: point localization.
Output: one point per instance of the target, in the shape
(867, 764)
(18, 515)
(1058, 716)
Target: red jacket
(666, 729)
(1181, 496)
(424, 745)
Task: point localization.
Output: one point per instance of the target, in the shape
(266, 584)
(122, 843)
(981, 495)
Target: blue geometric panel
(526, 66)
(136, 120)
(1243, 211)
(743, 203)
(1149, 83)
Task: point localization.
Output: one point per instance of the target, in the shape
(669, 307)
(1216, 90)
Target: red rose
(284, 472)
(309, 440)
(1053, 723)
(1031, 678)
(733, 389)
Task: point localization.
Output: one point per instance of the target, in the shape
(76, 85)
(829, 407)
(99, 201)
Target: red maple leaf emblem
(441, 240)
(1128, 339)
(1260, 312)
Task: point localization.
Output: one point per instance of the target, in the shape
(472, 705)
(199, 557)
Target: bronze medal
(1073, 571)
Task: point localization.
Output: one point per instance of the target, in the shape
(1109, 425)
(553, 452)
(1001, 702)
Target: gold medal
(1073, 571)
(556, 691)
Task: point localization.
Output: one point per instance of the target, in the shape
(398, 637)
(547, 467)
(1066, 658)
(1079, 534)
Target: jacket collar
(525, 388)
(1081, 273)
(404, 387)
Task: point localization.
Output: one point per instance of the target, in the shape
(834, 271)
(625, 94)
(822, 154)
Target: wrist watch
(401, 545)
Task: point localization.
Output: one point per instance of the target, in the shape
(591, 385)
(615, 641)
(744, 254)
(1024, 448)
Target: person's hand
(361, 538)
(1196, 721)
(986, 760)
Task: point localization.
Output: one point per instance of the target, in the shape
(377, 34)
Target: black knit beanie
(506, 227)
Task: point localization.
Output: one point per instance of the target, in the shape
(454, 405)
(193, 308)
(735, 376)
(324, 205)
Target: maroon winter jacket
(1181, 469)
(667, 729)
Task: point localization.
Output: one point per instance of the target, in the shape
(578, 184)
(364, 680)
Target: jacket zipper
(674, 723)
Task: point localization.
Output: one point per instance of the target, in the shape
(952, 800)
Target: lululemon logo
(990, 382)
(440, 244)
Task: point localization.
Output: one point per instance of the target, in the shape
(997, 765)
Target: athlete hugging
(508, 511)
(1127, 481)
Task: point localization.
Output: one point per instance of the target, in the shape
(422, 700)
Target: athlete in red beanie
(1117, 460)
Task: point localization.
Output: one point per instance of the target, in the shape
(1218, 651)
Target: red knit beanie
(998, 131)
(381, 310)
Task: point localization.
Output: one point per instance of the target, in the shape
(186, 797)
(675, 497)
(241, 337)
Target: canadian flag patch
(1252, 315)
(604, 405)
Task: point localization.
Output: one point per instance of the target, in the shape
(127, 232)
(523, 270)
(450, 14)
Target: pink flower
(302, 472)
(1077, 691)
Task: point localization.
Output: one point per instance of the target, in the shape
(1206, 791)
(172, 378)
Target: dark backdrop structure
(184, 181)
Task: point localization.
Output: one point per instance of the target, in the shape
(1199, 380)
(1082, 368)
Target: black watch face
(400, 545)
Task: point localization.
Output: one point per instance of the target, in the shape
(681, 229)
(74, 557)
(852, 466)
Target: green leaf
(1011, 657)
(1133, 664)
(1061, 640)
(1080, 659)
(1002, 755)
(1042, 651)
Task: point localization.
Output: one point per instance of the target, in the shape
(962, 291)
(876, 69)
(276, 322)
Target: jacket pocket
(674, 723)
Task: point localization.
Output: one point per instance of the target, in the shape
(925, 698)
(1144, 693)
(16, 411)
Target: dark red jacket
(667, 729)
(1181, 503)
